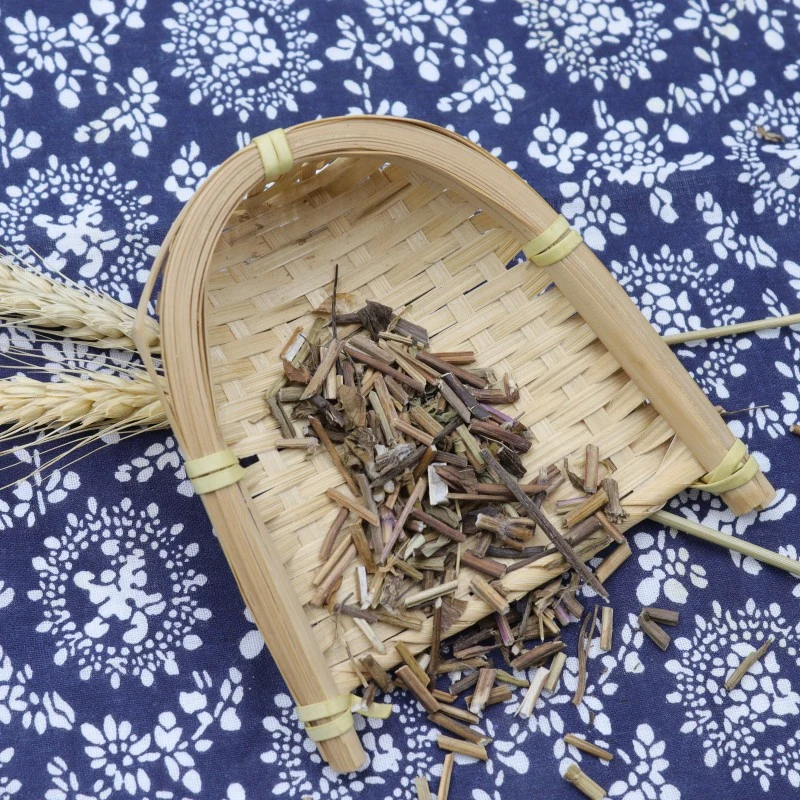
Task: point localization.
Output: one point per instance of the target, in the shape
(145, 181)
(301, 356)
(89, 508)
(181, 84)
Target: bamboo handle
(655, 369)
(256, 565)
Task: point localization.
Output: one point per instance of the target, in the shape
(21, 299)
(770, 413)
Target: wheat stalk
(37, 300)
(101, 402)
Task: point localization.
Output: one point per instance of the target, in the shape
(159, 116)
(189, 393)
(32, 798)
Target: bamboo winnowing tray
(413, 215)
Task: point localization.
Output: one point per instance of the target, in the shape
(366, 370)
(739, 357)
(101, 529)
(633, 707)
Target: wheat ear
(41, 302)
(100, 402)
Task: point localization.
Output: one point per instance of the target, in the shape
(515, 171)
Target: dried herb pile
(435, 482)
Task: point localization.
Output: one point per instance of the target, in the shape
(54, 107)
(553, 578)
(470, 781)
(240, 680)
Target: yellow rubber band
(554, 243)
(273, 147)
(731, 472)
(341, 708)
(547, 238)
(211, 463)
(558, 251)
(214, 471)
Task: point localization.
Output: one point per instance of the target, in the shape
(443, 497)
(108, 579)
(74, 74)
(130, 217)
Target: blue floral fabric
(667, 133)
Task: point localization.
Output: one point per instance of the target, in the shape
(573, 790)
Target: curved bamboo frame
(452, 161)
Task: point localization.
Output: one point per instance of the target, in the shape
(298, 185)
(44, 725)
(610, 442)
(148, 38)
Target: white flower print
(292, 751)
(669, 570)
(17, 143)
(252, 643)
(602, 40)
(246, 56)
(676, 293)
(733, 724)
(727, 240)
(120, 753)
(22, 700)
(136, 114)
(83, 218)
(552, 146)
(589, 212)
(186, 173)
(772, 169)
(494, 85)
(131, 568)
(69, 53)
(36, 493)
(65, 784)
(128, 12)
(6, 594)
(8, 786)
(645, 780)
(157, 458)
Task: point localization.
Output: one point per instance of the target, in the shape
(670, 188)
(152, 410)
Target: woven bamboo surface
(402, 239)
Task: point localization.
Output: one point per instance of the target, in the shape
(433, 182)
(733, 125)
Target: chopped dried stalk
(528, 703)
(326, 364)
(507, 677)
(407, 569)
(370, 635)
(613, 561)
(795, 429)
(583, 783)
(423, 788)
(736, 676)
(607, 629)
(458, 729)
(443, 697)
(482, 688)
(414, 497)
(426, 595)
(440, 365)
(436, 640)
(446, 667)
(498, 694)
(380, 366)
(462, 748)
(407, 429)
(355, 611)
(383, 419)
(437, 525)
(325, 586)
(400, 620)
(354, 506)
(467, 682)
(537, 655)
(419, 689)
(376, 540)
(534, 512)
(377, 673)
(584, 644)
(410, 661)
(609, 527)
(662, 616)
(485, 565)
(659, 636)
(489, 594)
(362, 546)
(588, 747)
(333, 533)
(309, 443)
(281, 417)
(613, 510)
(454, 401)
(460, 357)
(452, 610)
(591, 475)
(556, 667)
(590, 505)
(491, 430)
(447, 776)
(331, 561)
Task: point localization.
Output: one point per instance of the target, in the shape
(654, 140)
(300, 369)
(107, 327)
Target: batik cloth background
(129, 667)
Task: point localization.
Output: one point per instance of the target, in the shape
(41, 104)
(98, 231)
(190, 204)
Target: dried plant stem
(42, 303)
(747, 662)
(731, 330)
(726, 540)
